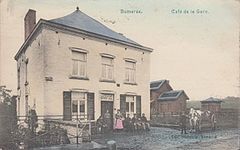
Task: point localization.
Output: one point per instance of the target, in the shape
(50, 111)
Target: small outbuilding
(159, 87)
(165, 100)
(172, 102)
(211, 104)
(156, 89)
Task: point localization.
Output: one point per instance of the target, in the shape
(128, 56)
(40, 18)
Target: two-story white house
(74, 65)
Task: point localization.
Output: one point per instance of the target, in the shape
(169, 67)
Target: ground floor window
(130, 105)
(79, 107)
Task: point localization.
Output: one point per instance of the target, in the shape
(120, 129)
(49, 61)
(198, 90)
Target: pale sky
(198, 53)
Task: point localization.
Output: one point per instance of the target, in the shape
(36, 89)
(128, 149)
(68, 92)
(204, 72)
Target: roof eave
(58, 25)
(211, 101)
(24, 45)
(42, 21)
(167, 99)
(159, 86)
(176, 97)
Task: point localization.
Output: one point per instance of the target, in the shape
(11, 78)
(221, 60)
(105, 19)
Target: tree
(8, 118)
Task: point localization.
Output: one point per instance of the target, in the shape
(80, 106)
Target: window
(130, 105)
(82, 107)
(26, 105)
(79, 104)
(26, 70)
(79, 64)
(18, 76)
(130, 71)
(107, 68)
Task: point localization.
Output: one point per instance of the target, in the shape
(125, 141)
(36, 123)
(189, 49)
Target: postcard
(119, 74)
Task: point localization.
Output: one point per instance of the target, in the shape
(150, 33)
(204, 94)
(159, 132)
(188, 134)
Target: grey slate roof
(211, 100)
(154, 85)
(80, 20)
(171, 95)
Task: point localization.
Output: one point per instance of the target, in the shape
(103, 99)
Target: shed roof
(154, 85)
(171, 95)
(212, 100)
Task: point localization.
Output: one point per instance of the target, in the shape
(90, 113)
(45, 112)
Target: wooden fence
(226, 118)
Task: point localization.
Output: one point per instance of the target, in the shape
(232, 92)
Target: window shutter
(138, 105)
(123, 104)
(90, 106)
(67, 112)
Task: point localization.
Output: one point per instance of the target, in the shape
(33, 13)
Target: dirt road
(220, 144)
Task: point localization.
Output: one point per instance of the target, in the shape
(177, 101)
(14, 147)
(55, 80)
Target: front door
(107, 106)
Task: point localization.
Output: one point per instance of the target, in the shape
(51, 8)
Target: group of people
(136, 123)
(194, 119)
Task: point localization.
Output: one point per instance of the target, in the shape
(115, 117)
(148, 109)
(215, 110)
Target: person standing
(119, 121)
(128, 123)
(183, 123)
(213, 121)
(108, 120)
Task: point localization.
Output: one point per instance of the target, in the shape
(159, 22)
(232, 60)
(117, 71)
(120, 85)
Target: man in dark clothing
(135, 122)
(145, 124)
(128, 123)
(183, 122)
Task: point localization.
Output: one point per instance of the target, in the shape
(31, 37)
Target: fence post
(112, 145)
(77, 130)
(90, 132)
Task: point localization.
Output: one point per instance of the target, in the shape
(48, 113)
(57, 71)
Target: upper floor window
(18, 77)
(107, 68)
(130, 71)
(79, 64)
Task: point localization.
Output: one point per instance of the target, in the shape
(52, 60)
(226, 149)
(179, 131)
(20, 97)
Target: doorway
(107, 105)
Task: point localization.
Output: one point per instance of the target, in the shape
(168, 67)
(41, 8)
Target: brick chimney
(29, 22)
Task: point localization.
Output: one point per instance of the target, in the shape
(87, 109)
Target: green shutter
(67, 112)
(123, 104)
(138, 105)
(90, 106)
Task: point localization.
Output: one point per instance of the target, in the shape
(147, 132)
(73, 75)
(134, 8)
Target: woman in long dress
(119, 121)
